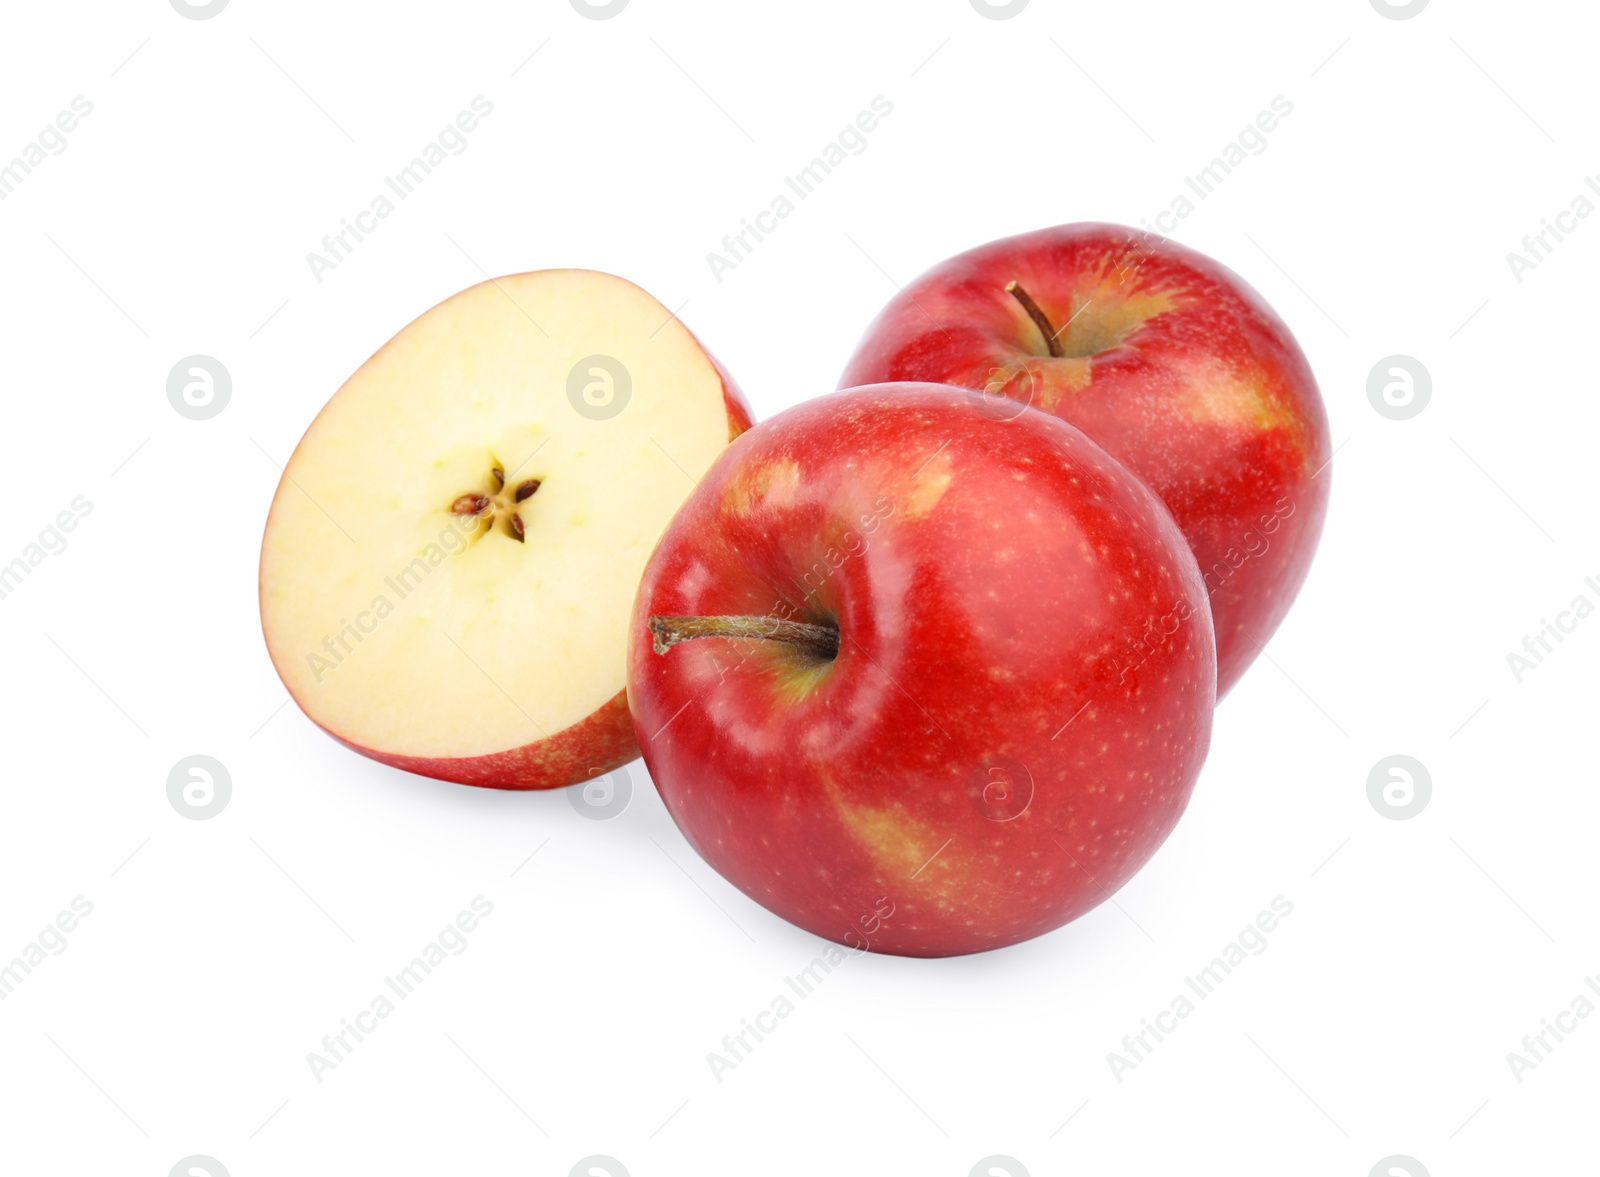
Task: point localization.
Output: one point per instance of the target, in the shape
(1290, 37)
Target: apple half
(452, 554)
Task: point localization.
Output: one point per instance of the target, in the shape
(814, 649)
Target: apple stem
(1040, 319)
(819, 640)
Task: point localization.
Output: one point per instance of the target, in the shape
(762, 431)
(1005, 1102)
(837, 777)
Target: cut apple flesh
(451, 558)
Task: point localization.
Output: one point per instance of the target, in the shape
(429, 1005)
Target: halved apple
(452, 554)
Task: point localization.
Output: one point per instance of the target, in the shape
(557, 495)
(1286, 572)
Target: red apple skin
(1185, 375)
(740, 418)
(1006, 594)
(594, 745)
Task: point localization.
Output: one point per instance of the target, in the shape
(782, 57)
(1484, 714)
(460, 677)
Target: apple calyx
(1040, 319)
(477, 503)
(820, 641)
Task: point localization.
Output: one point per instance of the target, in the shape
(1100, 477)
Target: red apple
(920, 677)
(449, 563)
(1166, 359)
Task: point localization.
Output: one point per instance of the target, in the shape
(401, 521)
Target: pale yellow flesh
(496, 644)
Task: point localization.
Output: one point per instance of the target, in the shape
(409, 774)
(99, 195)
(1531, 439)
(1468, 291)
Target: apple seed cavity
(502, 501)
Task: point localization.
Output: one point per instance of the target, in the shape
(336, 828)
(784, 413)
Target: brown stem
(821, 641)
(1040, 319)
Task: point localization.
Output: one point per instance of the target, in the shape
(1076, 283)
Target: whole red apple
(1166, 359)
(921, 677)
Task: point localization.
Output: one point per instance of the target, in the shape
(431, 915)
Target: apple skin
(600, 742)
(592, 746)
(740, 418)
(1022, 695)
(1186, 376)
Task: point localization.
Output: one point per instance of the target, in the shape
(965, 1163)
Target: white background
(178, 1019)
